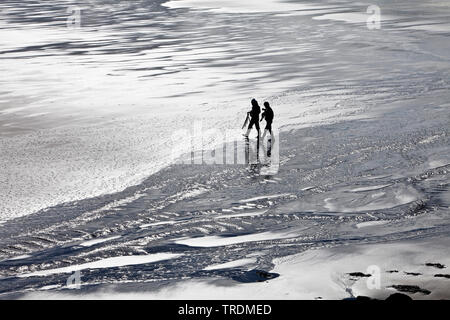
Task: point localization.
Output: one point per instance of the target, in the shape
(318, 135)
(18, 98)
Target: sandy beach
(353, 203)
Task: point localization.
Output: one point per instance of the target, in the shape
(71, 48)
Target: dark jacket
(256, 110)
(268, 115)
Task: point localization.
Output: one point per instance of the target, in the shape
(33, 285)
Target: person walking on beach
(268, 115)
(254, 117)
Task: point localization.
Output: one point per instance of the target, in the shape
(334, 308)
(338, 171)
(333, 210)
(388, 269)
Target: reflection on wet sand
(258, 155)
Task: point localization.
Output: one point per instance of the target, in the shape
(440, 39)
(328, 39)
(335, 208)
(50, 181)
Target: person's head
(254, 103)
(267, 105)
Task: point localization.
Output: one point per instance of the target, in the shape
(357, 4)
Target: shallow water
(344, 188)
(363, 118)
(100, 102)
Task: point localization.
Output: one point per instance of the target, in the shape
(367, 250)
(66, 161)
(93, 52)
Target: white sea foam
(217, 241)
(267, 197)
(239, 215)
(231, 264)
(25, 256)
(92, 242)
(371, 188)
(371, 223)
(156, 224)
(105, 263)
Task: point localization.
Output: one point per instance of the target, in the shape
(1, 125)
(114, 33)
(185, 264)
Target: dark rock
(442, 276)
(398, 297)
(359, 274)
(392, 271)
(436, 265)
(254, 276)
(410, 289)
(413, 274)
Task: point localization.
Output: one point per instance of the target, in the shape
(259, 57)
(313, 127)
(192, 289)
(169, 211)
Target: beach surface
(355, 201)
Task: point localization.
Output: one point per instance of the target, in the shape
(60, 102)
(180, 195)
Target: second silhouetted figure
(254, 117)
(268, 115)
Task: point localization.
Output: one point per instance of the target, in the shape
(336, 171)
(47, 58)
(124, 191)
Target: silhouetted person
(254, 117)
(268, 115)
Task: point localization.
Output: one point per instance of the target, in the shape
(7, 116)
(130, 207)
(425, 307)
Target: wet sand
(87, 182)
(382, 183)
